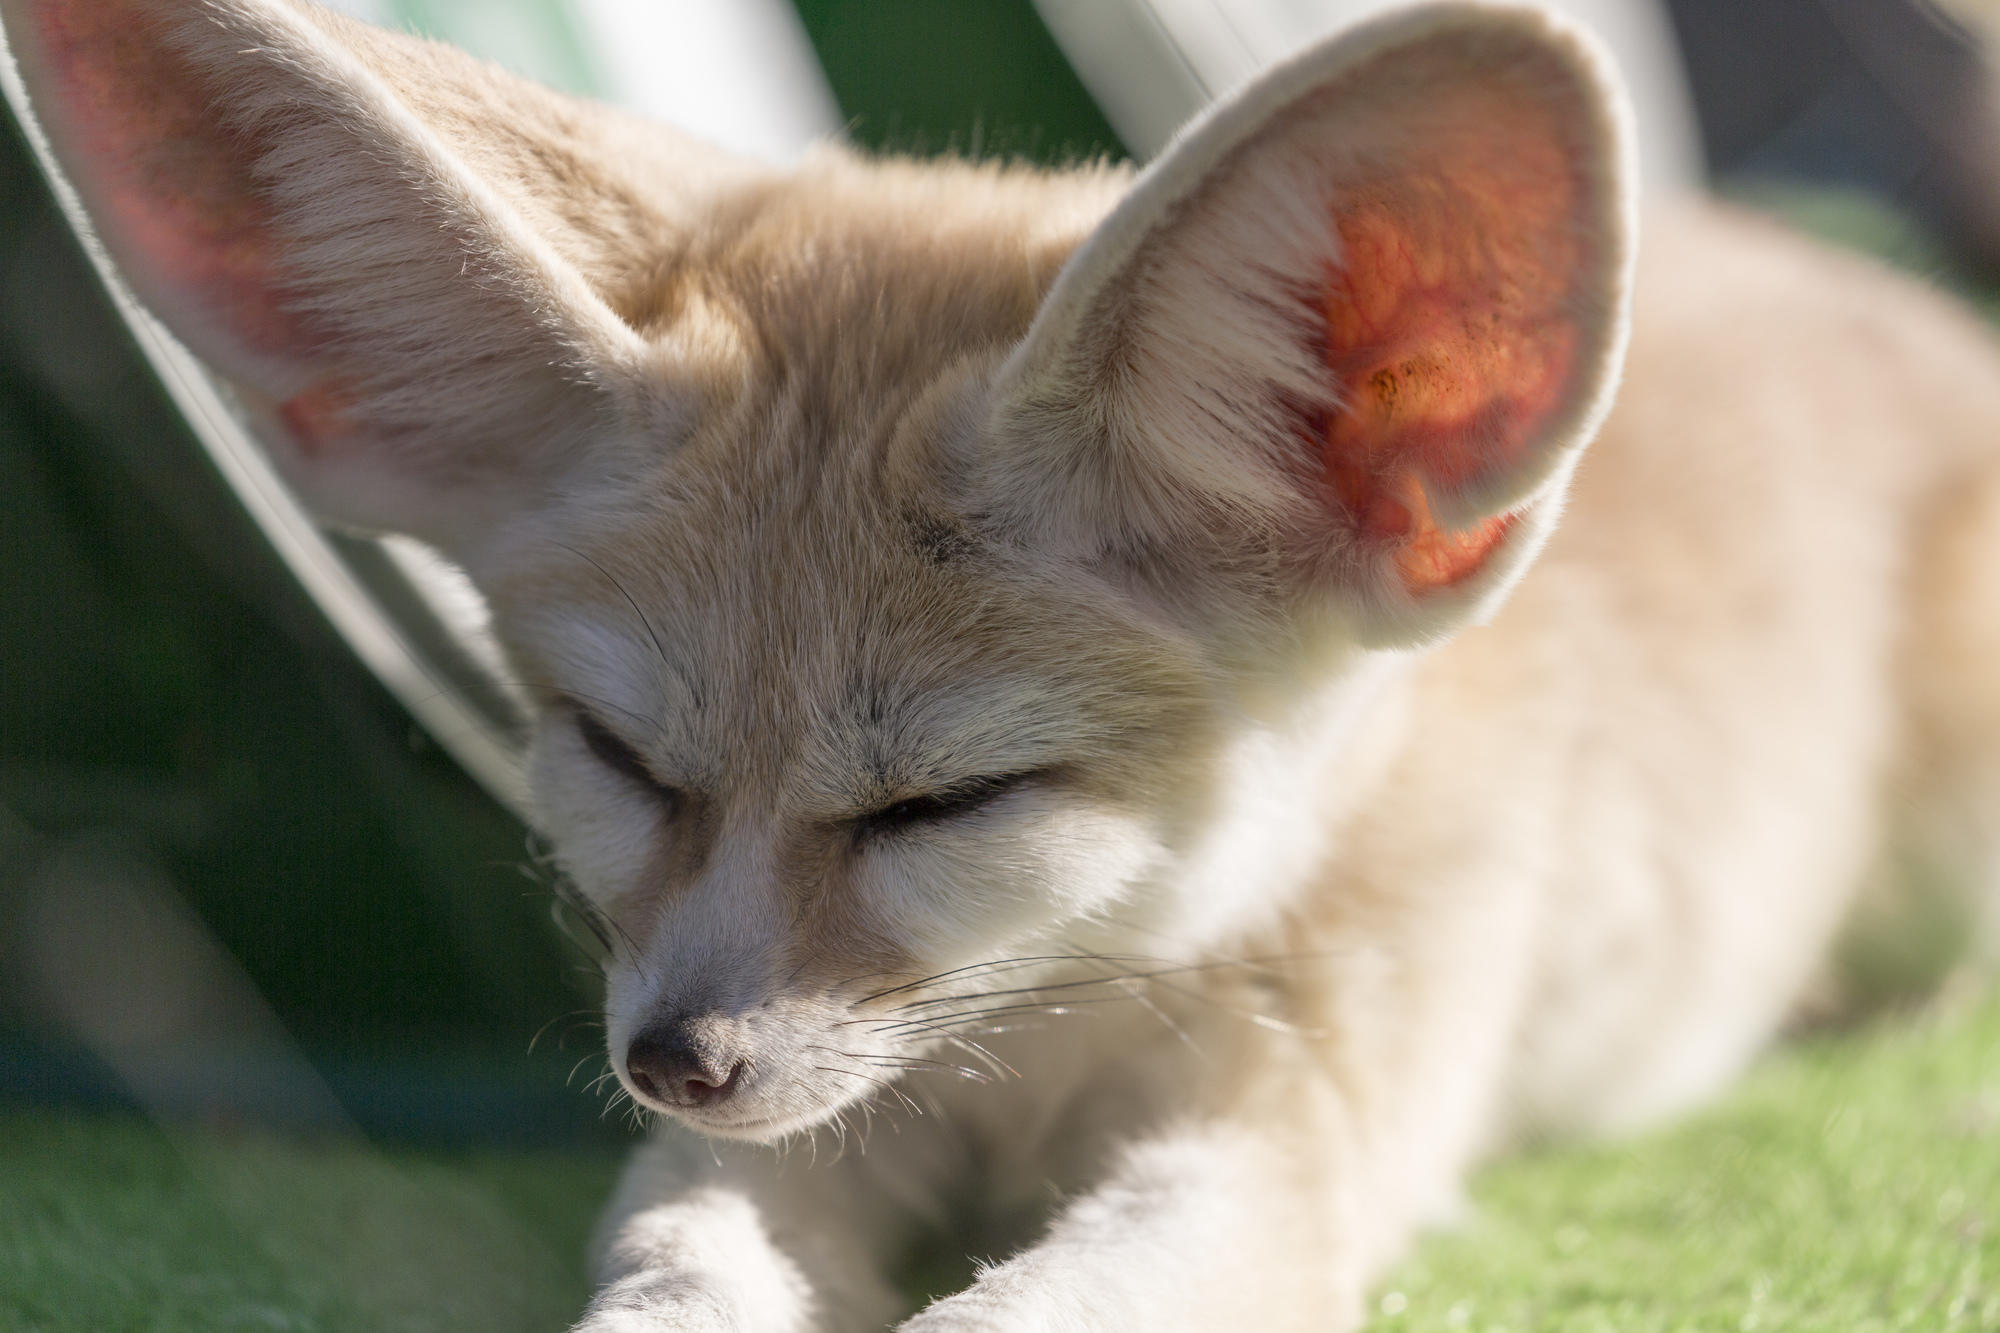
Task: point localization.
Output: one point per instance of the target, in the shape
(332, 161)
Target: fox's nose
(673, 1064)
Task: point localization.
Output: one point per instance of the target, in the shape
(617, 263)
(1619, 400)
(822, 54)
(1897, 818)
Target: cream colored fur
(831, 489)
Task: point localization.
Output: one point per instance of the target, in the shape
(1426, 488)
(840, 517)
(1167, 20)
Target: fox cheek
(953, 906)
(603, 839)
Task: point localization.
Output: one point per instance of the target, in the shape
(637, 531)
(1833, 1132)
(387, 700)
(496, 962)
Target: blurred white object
(1151, 64)
(737, 73)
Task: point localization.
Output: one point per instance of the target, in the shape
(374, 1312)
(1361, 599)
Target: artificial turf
(112, 1224)
(1851, 1184)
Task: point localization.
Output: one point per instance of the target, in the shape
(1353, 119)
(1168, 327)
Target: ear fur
(1351, 330)
(406, 260)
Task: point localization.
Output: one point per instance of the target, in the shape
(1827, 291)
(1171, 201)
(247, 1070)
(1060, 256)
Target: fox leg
(1211, 1226)
(741, 1239)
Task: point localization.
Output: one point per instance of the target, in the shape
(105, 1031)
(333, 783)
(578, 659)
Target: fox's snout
(687, 1062)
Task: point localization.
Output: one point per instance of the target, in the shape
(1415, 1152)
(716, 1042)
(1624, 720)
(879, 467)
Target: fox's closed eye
(961, 798)
(621, 758)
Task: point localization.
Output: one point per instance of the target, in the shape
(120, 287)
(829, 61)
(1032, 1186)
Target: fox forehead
(842, 648)
(852, 274)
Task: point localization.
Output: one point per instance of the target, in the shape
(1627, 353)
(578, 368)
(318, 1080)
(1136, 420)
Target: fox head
(911, 564)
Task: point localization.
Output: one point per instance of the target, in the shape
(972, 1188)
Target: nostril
(667, 1065)
(700, 1090)
(653, 1063)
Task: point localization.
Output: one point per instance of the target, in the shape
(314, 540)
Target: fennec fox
(955, 594)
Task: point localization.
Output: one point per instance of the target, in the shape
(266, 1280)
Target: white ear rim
(1386, 617)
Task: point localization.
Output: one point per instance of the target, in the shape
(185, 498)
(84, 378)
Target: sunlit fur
(826, 489)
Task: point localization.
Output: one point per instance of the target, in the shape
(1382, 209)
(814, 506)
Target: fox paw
(969, 1314)
(670, 1303)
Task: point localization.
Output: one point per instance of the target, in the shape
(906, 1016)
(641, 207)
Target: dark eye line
(960, 798)
(618, 756)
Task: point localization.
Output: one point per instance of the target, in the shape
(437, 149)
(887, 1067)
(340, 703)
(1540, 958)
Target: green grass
(1850, 1185)
(112, 1224)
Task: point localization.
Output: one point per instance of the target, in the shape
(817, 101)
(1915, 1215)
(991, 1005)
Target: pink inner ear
(173, 191)
(1450, 330)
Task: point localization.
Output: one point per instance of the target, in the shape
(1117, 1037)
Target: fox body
(1059, 651)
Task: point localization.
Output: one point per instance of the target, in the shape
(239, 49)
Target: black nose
(679, 1065)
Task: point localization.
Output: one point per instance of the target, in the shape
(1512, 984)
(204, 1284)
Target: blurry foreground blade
(1151, 64)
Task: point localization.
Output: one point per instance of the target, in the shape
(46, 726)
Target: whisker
(972, 1015)
(882, 1083)
(630, 601)
(1157, 977)
(602, 927)
(1140, 997)
(1265, 1021)
(1002, 1029)
(568, 906)
(918, 1065)
(993, 1062)
(904, 1063)
(840, 1132)
(1251, 1016)
(593, 915)
(867, 1124)
(1170, 968)
(567, 898)
(996, 964)
(543, 1029)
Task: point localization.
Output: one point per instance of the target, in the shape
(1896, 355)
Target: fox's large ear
(1348, 335)
(408, 262)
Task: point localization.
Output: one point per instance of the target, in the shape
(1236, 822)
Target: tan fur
(861, 481)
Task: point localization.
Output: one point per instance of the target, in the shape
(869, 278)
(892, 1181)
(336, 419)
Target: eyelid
(617, 754)
(958, 798)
